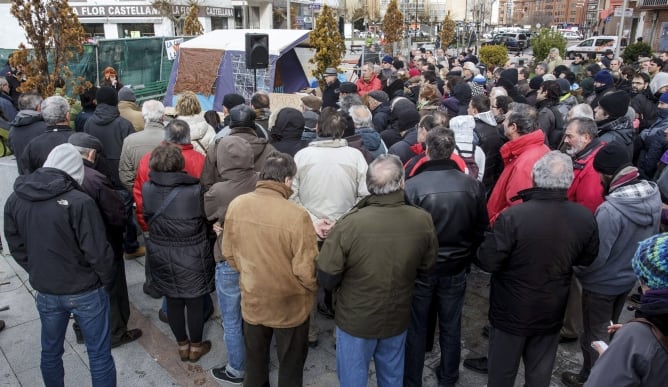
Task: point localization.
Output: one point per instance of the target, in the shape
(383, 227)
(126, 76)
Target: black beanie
(616, 104)
(107, 95)
(536, 82)
(611, 158)
(242, 116)
(232, 100)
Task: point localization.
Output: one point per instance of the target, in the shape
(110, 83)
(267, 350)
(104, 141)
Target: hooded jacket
(372, 141)
(519, 156)
(178, 250)
(111, 129)
(623, 219)
(27, 125)
(287, 131)
(619, 130)
(55, 232)
(644, 105)
(490, 140)
(261, 149)
(272, 243)
(653, 146)
(531, 268)
(235, 168)
(550, 122)
(201, 133)
(458, 102)
(381, 116)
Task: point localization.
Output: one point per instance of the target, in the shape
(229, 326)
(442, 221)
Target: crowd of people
(368, 205)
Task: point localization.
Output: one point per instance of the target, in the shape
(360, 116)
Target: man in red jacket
(368, 81)
(525, 147)
(582, 144)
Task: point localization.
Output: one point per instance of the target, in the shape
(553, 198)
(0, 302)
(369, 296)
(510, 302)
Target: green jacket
(372, 255)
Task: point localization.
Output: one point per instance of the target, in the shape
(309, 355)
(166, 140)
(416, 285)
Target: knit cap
(616, 104)
(535, 82)
(68, 159)
(387, 59)
(611, 158)
(603, 76)
(126, 94)
(479, 79)
(650, 262)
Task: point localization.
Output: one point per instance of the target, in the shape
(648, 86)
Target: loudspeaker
(257, 51)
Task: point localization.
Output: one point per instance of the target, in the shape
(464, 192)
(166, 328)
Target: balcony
(652, 4)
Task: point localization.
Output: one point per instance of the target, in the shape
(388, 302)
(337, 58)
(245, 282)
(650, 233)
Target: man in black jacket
(56, 113)
(379, 104)
(489, 139)
(530, 253)
(27, 124)
(55, 232)
(99, 187)
(330, 95)
(456, 202)
(111, 129)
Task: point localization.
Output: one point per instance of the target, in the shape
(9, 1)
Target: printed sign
(172, 47)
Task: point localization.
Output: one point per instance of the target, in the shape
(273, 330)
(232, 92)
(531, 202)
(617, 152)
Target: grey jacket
(135, 146)
(622, 223)
(634, 358)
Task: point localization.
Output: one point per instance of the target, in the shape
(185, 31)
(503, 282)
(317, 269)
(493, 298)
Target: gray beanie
(126, 94)
(66, 158)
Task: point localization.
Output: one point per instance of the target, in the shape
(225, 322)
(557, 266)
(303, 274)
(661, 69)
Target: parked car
(570, 35)
(511, 43)
(593, 46)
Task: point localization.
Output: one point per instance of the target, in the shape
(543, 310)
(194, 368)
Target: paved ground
(153, 360)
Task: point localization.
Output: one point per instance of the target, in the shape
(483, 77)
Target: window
(135, 30)
(219, 23)
(587, 43)
(93, 30)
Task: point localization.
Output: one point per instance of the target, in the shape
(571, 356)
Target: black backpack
(469, 159)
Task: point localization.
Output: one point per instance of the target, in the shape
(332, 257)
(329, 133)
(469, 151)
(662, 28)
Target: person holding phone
(110, 78)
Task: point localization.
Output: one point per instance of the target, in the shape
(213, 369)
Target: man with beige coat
(129, 109)
(271, 241)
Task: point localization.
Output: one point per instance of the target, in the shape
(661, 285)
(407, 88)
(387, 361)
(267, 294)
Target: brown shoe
(197, 350)
(184, 350)
(140, 252)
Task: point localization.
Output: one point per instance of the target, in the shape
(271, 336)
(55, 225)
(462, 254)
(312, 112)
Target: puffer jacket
(531, 269)
(456, 203)
(201, 133)
(111, 129)
(235, 168)
(490, 140)
(178, 249)
(364, 86)
(381, 117)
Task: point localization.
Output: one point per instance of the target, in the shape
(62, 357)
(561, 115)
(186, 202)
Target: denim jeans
(449, 291)
(353, 355)
(91, 310)
(229, 300)
(130, 243)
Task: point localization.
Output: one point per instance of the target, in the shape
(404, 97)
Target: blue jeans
(449, 292)
(91, 310)
(130, 243)
(229, 299)
(353, 355)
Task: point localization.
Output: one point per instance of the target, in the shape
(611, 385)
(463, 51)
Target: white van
(592, 47)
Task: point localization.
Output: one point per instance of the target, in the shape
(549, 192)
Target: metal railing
(653, 4)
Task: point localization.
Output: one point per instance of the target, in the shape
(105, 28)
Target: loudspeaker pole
(254, 80)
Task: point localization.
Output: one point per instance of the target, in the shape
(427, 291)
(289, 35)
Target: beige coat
(132, 113)
(271, 242)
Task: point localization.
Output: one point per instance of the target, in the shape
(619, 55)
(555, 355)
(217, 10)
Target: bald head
(385, 175)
